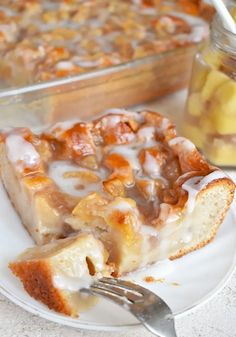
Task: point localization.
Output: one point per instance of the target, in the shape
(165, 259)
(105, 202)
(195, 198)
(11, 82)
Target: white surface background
(216, 318)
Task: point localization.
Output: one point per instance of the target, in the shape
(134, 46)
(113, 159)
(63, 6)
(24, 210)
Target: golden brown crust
(36, 277)
(229, 184)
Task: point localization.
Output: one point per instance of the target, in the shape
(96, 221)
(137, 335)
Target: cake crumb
(176, 284)
(149, 279)
(160, 280)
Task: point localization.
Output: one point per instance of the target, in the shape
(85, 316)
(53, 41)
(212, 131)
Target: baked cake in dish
(42, 40)
(125, 179)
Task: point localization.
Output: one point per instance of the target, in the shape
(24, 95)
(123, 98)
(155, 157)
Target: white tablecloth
(216, 318)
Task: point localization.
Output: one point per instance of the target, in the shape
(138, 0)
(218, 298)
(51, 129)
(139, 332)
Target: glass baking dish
(46, 40)
(122, 85)
(87, 94)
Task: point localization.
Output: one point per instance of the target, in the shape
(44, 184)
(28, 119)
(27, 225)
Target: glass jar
(210, 116)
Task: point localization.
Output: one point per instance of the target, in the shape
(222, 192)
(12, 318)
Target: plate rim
(65, 321)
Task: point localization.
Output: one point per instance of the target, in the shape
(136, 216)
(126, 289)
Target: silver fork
(146, 306)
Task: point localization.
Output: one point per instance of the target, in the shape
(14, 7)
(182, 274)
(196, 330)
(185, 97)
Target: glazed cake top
(122, 161)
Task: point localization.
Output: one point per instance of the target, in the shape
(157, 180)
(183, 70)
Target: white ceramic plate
(198, 275)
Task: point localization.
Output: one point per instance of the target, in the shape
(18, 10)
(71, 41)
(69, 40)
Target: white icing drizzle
(146, 134)
(64, 65)
(130, 154)
(168, 23)
(185, 144)
(197, 34)
(21, 153)
(165, 123)
(172, 218)
(123, 206)
(137, 2)
(194, 185)
(132, 114)
(149, 187)
(129, 137)
(151, 190)
(89, 63)
(42, 51)
(148, 11)
(186, 176)
(151, 166)
(112, 121)
(68, 185)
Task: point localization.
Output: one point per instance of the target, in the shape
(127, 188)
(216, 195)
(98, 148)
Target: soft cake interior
(54, 273)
